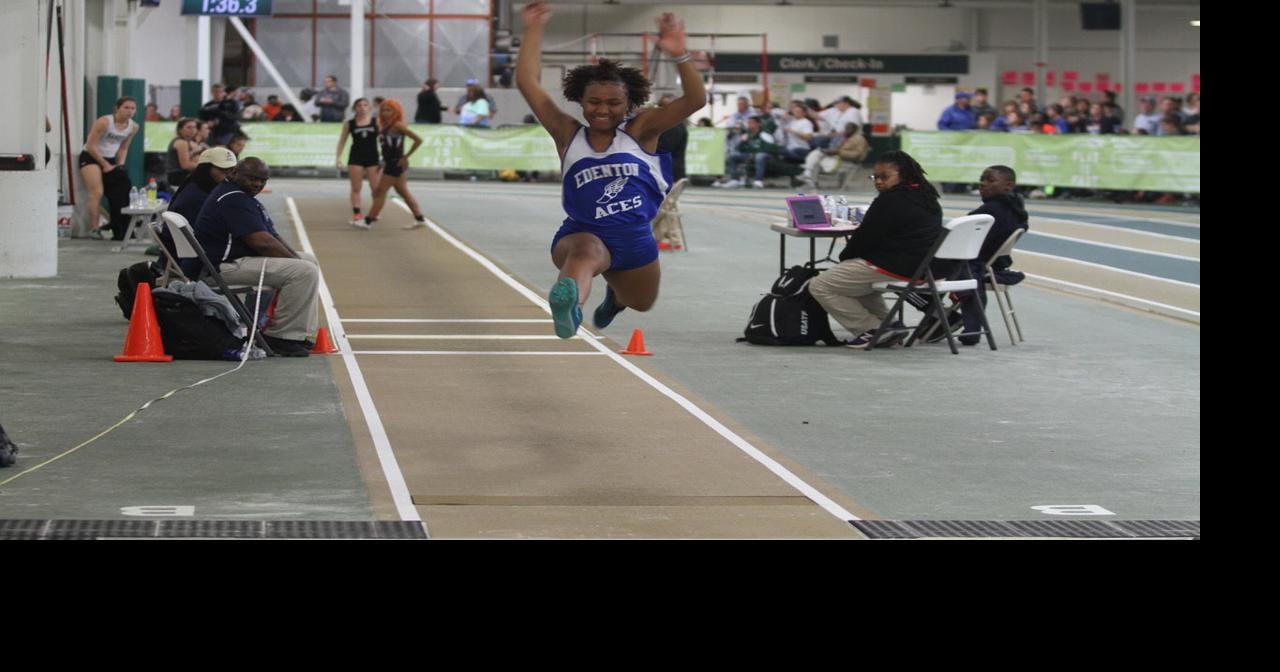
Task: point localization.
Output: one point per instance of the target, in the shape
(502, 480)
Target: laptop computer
(807, 215)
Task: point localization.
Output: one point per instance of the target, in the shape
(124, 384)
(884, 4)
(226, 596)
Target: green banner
(443, 147)
(1124, 162)
(704, 155)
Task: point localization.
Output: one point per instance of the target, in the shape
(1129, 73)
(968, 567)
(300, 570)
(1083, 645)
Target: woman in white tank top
(104, 154)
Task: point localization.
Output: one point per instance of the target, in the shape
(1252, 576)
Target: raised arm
(561, 126)
(671, 40)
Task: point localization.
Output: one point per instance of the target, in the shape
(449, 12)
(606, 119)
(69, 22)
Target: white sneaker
(733, 184)
(355, 221)
(415, 225)
(361, 224)
(757, 184)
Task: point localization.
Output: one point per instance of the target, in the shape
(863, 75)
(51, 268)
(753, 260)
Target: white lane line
(1109, 268)
(442, 321)
(1117, 295)
(1086, 241)
(476, 352)
(1097, 225)
(769, 463)
(390, 468)
(1117, 228)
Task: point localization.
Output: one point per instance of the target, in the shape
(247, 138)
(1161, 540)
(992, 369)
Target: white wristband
(683, 59)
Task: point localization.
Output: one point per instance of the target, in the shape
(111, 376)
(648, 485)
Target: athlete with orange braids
(395, 164)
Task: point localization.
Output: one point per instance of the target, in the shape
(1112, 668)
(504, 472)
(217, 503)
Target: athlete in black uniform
(395, 164)
(363, 159)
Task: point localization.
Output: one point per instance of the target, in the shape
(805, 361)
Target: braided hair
(608, 71)
(909, 171)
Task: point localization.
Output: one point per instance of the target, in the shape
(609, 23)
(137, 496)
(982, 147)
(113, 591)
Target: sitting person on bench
(236, 228)
(851, 148)
(755, 148)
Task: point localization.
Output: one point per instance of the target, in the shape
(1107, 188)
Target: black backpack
(788, 314)
(187, 332)
(128, 281)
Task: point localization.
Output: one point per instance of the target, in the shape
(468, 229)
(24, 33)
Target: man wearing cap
(1147, 120)
(462, 100)
(958, 117)
(238, 235)
(210, 171)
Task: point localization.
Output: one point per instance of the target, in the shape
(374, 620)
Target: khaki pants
(297, 284)
(845, 292)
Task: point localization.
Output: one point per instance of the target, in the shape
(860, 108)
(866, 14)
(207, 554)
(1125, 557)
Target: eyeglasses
(878, 178)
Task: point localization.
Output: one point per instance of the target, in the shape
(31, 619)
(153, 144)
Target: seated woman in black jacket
(896, 233)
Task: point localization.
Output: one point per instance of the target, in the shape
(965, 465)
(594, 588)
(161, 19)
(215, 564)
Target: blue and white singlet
(619, 188)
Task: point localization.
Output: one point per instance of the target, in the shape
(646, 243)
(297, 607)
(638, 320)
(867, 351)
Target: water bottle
(842, 209)
(152, 190)
(827, 205)
(133, 197)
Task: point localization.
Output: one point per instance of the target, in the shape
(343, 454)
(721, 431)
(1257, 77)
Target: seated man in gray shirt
(238, 235)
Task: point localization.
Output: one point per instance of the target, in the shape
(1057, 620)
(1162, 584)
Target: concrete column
(28, 222)
(1041, 32)
(357, 49)
(204, 57)
(1128, 57)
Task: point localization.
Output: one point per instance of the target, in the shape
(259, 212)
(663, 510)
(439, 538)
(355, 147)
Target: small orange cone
(323, 345)
(143, 343)
(636, 346)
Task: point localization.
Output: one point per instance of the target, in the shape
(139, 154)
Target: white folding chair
(187, 247)
(172, 271)
(668, 223)
(960, 241)
(1003, 299)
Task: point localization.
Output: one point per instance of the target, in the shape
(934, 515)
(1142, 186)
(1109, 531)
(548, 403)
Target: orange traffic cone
(323, 345)
(143, 343)
(636, 346)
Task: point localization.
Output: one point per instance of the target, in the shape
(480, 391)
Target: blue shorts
(628, 247)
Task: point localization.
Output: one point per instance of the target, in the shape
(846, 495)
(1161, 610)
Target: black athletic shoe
(286, 348)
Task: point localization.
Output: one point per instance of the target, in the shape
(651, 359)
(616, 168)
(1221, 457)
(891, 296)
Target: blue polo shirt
(227, 216)
(188, 201)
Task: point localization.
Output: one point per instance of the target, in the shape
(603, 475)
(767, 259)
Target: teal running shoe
(607, 309)
(565, 311)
